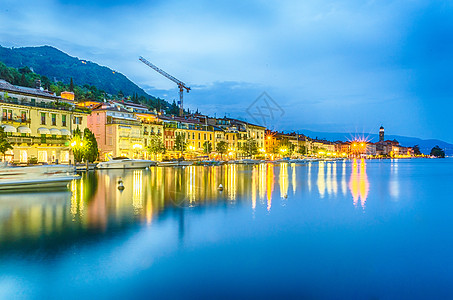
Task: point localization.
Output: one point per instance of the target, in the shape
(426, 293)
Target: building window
(43, 118)
(23, 156)
(204, 136)
(54, 119)
(42, 156)
(5, 113)
(23, 116)
(77, 120)
(210, 136)
(63, 120)
(64, 156)
(199, 136)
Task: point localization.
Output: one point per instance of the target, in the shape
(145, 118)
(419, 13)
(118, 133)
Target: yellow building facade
(39, 125)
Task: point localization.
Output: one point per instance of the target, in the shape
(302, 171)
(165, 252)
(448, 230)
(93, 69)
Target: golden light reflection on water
(270, 185)
(358, 184)
(95, 201)
(283, 179)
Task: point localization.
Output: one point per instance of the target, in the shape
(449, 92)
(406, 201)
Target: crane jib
(180, 84)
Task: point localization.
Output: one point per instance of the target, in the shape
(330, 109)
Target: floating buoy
(120, 184)
(220, 188)
(285, 196)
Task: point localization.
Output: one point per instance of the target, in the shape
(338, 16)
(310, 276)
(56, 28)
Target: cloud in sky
(331, 65)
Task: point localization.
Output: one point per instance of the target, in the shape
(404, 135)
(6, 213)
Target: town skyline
(364, 61)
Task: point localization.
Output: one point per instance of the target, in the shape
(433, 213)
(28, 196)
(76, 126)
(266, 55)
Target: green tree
(4, 144)
(249, 148)
(302, 150)
(207, 147)
(90, 146)
(156, 145)
(173, 109)
(437, 152)
(222, 148)
(71, 86)
(416, 149)
(180, 143)
(77, 145)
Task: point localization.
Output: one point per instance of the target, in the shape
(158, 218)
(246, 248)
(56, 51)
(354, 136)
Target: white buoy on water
(220, 188)
(120, 184)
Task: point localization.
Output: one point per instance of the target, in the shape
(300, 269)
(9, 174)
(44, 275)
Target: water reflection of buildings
(327, 180)
(358, 184)
(95, 204)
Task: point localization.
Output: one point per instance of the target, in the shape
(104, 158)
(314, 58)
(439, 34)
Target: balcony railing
(123, 122)
(50, 105)
(18, 120)
(37, 140)
(151, 122)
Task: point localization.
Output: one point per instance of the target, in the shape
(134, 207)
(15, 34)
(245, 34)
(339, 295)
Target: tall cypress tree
(71, 86)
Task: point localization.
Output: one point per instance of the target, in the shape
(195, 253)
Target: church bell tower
(381, 134)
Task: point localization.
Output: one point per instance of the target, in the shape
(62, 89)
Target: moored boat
(249, 161)
(174, 163)
(125, 163)
(36, 178)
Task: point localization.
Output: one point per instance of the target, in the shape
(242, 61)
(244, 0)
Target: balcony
(151, 122)
(16, 120)
(38, 140)
(51, 105)
(122, 122)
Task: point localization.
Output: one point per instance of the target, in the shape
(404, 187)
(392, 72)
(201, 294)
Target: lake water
(364, 229)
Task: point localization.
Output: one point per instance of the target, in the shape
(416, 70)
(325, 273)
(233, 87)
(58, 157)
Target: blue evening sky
(339, 66)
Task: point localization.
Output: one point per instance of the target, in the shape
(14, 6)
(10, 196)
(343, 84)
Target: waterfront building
(131, 106)
(117, 131)
(194, 134)
(237, 132)
(150, 126)
(39, 124)
(391, 148)
(322, 147)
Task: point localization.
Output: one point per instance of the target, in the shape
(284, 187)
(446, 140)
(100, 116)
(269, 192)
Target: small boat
(125, 163)
(249, 161)
(299, 161)
(174, 163)
(208, 163)
(36, 178)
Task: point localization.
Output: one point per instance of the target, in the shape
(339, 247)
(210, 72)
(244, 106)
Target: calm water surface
(329, 230)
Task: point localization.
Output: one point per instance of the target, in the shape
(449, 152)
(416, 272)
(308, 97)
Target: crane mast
(181, 85)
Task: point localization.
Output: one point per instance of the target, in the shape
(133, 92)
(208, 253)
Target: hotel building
(38, 124)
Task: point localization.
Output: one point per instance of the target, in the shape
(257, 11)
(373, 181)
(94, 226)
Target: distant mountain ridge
(425, 145)
(53, 63)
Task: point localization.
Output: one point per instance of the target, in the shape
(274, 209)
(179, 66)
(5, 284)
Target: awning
(125, 127)
(43, 130)
(55, 131)
(9, 128)
(65, 132)
(23, 129)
